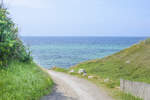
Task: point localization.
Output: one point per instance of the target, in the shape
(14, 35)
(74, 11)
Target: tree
(11, 47)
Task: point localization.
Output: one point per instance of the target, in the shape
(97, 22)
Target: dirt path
(72, 88)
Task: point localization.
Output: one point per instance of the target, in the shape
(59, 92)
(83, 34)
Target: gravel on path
(72, 88)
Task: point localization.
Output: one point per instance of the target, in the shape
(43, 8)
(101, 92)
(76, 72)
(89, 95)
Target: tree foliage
(11, 47)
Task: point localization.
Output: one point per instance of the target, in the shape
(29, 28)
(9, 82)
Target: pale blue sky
(81, 17)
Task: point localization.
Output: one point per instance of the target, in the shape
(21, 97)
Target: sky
(81, 17)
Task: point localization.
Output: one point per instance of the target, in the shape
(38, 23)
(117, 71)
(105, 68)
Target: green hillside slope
(132, 63)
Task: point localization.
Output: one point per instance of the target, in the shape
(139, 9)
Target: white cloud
(27, 3)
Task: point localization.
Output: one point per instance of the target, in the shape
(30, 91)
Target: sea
(68, 51)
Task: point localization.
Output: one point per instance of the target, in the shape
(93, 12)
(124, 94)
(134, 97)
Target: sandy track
(72, 88)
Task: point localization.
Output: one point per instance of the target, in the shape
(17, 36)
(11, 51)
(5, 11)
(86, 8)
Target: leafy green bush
(11, 47)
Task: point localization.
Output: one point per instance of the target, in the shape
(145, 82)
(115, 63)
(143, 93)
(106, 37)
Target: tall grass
(125, 96)
(23, 81)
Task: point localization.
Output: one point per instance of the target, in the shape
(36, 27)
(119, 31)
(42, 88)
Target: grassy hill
(132, 63)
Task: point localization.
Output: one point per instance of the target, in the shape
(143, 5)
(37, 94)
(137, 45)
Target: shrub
(11, 47)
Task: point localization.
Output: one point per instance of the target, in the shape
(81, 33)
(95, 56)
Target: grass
(128, 97)
(109, 87)
(24, 81)
(18, 81)
(131, 64)
(60, 69)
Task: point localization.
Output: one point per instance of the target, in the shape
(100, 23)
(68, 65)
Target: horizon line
(75, 36)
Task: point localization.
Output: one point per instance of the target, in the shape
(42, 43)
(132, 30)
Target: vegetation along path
(72, 88)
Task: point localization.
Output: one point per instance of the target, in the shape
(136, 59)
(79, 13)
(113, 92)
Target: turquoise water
(68, 51)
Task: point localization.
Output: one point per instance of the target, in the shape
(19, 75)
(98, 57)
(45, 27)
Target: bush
(11, 47)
